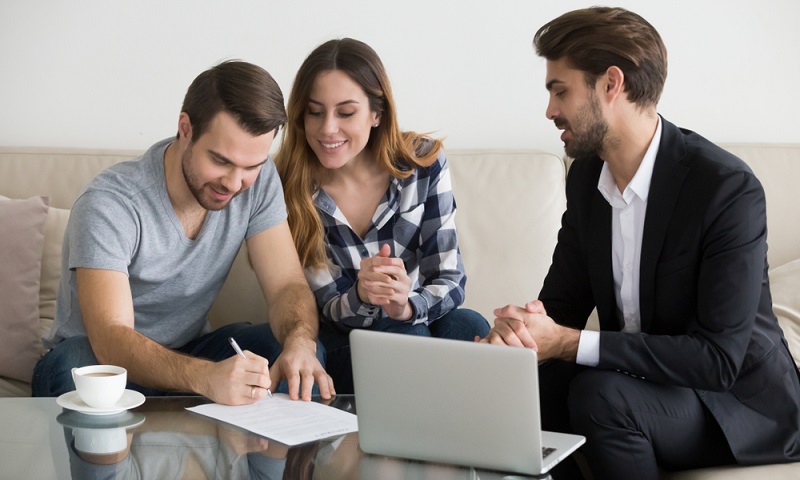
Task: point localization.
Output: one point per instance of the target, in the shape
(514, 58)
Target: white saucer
(124, 420)
(130, 399)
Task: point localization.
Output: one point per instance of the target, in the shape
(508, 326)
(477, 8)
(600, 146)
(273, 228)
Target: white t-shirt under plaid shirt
(416, 217)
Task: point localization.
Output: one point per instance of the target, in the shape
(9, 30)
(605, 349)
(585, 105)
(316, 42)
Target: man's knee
(52, 375)
(597, 397)
(257, 338)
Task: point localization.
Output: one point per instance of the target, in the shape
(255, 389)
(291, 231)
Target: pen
(241, 354)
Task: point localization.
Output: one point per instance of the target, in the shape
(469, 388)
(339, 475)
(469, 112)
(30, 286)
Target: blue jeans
(458, 324)
(52, 375)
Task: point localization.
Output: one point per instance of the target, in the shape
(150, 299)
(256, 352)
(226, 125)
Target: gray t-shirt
(124, 221)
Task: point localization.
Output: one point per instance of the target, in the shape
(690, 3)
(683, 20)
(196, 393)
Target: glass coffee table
(161, 439)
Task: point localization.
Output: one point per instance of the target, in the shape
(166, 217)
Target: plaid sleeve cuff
(363, 313)
(420, 307)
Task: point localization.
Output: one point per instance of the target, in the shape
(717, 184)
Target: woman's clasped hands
(383, 281)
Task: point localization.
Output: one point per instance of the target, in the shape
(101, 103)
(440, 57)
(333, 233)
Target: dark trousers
(632, 426)
(52, 375)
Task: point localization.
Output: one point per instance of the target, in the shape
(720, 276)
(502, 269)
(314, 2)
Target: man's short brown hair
(246, 91)
(594, 39)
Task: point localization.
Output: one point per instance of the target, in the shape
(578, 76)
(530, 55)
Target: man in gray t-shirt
(150, 243)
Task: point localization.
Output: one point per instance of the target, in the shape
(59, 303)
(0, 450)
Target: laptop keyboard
(547, 451)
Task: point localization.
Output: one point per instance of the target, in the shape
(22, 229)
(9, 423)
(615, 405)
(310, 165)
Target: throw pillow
(21, 241)
(54, 229)
(784, 283)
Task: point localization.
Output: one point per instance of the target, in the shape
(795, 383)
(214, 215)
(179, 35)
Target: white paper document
(290, 422)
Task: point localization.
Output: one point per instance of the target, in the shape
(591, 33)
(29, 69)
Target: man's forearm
(294, 316)
(149, 364)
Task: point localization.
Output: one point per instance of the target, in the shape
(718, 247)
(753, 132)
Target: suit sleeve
(566, 291)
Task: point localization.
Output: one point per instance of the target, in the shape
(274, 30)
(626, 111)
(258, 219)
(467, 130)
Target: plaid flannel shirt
(416, 217)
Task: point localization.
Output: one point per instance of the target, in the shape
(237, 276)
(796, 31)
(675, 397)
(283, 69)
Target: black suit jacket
(706, 310)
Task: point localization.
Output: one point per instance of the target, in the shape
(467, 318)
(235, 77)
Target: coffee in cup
(100, 386)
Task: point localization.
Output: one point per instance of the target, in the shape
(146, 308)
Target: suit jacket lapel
(600, 263)
(665, 188)
(599, 253)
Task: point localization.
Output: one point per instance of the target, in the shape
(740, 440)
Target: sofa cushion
(509, 212)
(777, 168)
(783, 471)
(785, 286)
(21, 240)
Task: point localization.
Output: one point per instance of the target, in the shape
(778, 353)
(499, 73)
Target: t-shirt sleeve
(102, 233)
(268, 205)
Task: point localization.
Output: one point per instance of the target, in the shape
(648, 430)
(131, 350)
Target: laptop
(451, 401)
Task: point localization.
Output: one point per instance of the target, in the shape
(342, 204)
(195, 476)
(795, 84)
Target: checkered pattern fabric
(416, 217)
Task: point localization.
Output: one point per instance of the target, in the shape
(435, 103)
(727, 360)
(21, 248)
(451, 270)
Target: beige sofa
(510, 204)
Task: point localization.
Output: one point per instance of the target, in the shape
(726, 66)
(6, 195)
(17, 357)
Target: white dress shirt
(627, 225)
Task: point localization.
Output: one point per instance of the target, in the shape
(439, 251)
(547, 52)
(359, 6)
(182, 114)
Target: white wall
(112, 73)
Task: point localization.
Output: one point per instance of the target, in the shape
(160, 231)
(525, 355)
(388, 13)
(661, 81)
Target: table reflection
(156, 442)
(161, 439)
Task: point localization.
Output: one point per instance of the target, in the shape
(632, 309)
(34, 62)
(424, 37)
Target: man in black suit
(665, 234)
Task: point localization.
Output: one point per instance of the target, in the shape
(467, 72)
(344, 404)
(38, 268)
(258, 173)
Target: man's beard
(196, 186)
(589, 131)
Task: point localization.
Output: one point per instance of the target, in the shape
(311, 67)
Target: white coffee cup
(100, 440)
(100, 386)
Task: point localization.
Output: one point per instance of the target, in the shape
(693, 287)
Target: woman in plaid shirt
(370, 207)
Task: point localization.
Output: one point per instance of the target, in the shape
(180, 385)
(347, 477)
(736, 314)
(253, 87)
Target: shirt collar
(385, 211)
(640, 184)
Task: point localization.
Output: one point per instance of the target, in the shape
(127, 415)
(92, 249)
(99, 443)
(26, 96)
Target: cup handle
(73, 374)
